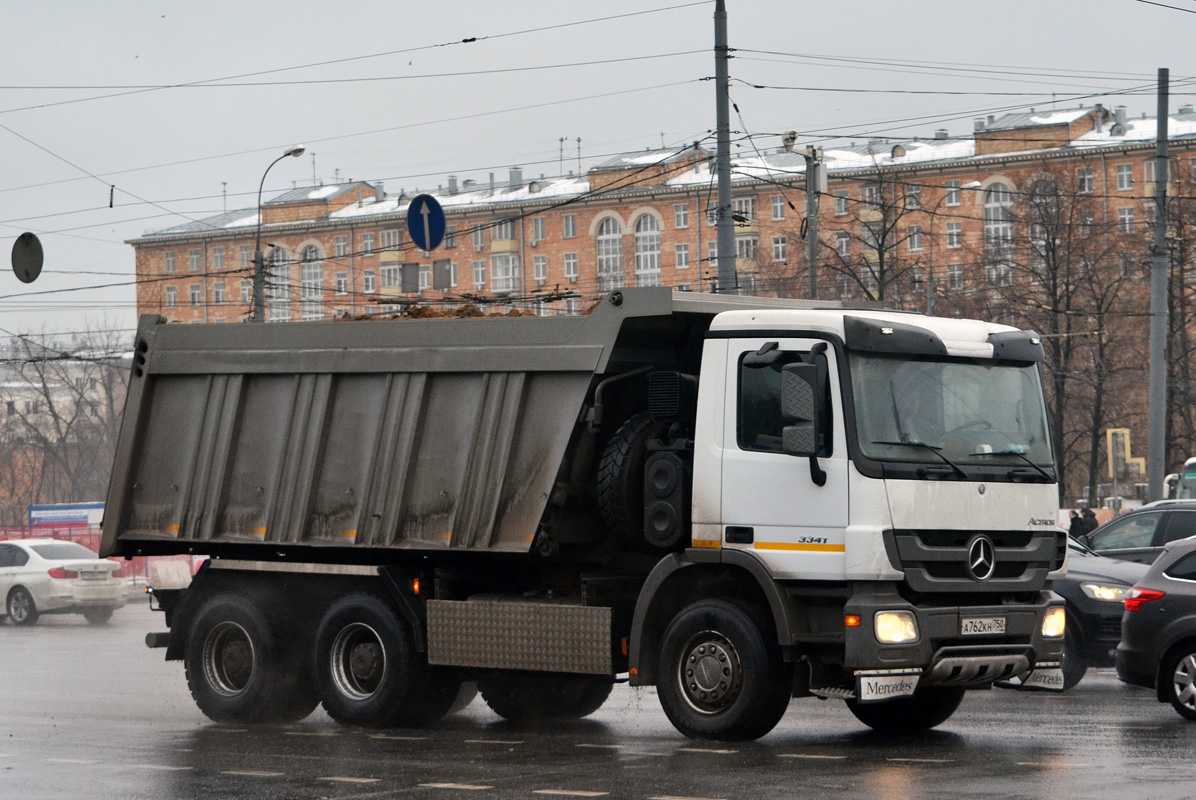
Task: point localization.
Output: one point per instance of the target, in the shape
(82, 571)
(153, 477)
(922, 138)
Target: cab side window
(1135, 531)
(759, 421)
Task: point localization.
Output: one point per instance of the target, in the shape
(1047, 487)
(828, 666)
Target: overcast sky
(176, 103)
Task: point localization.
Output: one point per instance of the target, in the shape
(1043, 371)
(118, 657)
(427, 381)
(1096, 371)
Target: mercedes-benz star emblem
(982, 560)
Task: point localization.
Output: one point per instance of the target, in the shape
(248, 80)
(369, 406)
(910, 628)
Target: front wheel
(21, 608)
(1075, 663)
(1180, 677)
(926, 708)
(720, 673)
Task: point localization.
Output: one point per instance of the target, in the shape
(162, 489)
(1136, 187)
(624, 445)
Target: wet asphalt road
(89, 712)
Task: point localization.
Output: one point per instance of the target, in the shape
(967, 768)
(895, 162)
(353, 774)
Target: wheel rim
(18, 606)
(228, 658)
(1184, 681)
(358, 661)
(709, 672)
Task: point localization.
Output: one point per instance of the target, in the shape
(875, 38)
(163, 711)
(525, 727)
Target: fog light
(896, 627)
(1053, 622)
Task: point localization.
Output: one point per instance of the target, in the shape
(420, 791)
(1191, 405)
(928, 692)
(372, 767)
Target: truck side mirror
(800, 408)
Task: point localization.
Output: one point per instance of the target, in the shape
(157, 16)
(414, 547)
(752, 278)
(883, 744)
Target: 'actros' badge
(982, 558)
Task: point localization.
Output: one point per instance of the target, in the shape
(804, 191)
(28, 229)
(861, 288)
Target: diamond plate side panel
(526, 636)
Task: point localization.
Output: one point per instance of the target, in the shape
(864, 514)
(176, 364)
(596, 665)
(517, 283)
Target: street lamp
(259, 271)
(971, 186)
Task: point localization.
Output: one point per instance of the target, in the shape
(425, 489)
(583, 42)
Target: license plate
(93, 576)
(978, 626)
(885, 687)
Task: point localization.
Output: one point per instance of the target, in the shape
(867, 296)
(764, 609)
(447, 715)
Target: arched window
(610, 255)
(311, 283)
(278, 286)
(647, 251)
(1043, 212)
(998, 233)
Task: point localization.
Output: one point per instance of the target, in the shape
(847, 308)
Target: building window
(390, 276)
(388, 239)
(571, 305)
(367, 244)
(540, 269)
(1084, 180)
(196, 294)
(711, 214)
(778, 206)
(1125, 177)
(681, 215)
(609, 244)
(743, 209)
(278, 286)
(504, 272)
(843, 244)
(998, 224)
(870, 195)
(1148, 170)
(918, 280)
(1125, 221)
(952, 193)
(367, 282)
(172, 297)
(504, 230)
(538, 229)
(170, 264)
(914, 238)
(450, 237)
(479, 238)
(341, 246)
(311, 284)
(571, 267)
(342, 283)
(218, 294)
(246, 256)
(954, 235)
(479, 274)
(712, 255)
(647, 251)
(913, 197)
(682, 255)
(955, 276)
(541, 308)
(217, 258)
(780, 249)
(246, 291)
(425, 277)
(569, 226)
(193, 260)
(747, 248)
(453, 275)
(1087, 220)
(841, 202)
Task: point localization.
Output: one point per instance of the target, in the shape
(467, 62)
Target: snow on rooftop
(250, 218)
(1059, 117)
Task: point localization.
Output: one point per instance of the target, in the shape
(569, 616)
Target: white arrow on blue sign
(425, 222)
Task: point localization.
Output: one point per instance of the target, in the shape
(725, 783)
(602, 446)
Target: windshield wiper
(1018, 451)
(933, 449)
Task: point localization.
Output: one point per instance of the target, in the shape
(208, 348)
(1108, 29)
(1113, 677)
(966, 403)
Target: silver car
(48, 576)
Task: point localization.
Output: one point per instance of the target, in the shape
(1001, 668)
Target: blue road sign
(425, 222)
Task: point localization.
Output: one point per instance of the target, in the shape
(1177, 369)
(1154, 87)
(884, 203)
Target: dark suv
(1158, 630)
(1139, 535)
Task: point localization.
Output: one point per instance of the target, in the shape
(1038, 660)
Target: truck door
(771, 502)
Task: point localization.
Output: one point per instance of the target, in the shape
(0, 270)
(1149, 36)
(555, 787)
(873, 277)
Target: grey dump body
(341, 441)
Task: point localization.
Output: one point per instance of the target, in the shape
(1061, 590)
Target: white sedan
(49, 576)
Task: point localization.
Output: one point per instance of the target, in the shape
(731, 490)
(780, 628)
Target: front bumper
(942, 655)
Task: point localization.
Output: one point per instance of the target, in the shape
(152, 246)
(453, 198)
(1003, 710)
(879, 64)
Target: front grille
(936, 560)
(1109, 630)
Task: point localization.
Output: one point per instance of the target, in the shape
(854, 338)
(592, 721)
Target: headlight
(1110, 594)
(896, 627)
(1053, 622)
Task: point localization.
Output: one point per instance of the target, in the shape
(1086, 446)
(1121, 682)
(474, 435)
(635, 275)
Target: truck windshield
(966, 411)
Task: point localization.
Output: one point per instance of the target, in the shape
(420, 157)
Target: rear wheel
(238, 670)
(98, 616)
(720, 673)
(1075, 663)
(525, 697)
(21, 608)
(369, 672)
(926, 708)
(1180, 677)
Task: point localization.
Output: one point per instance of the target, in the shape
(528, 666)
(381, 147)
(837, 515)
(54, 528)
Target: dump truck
(736, 500)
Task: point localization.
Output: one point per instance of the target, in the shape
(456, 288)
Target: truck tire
(621, 477)
(523, 697)
(368, 671)
(237, 668)
(926, 708)
(721, 675)
(1075, 663)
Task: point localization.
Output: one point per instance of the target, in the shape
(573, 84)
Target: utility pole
(722, 159)
(1159, 265)
(815, 187)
